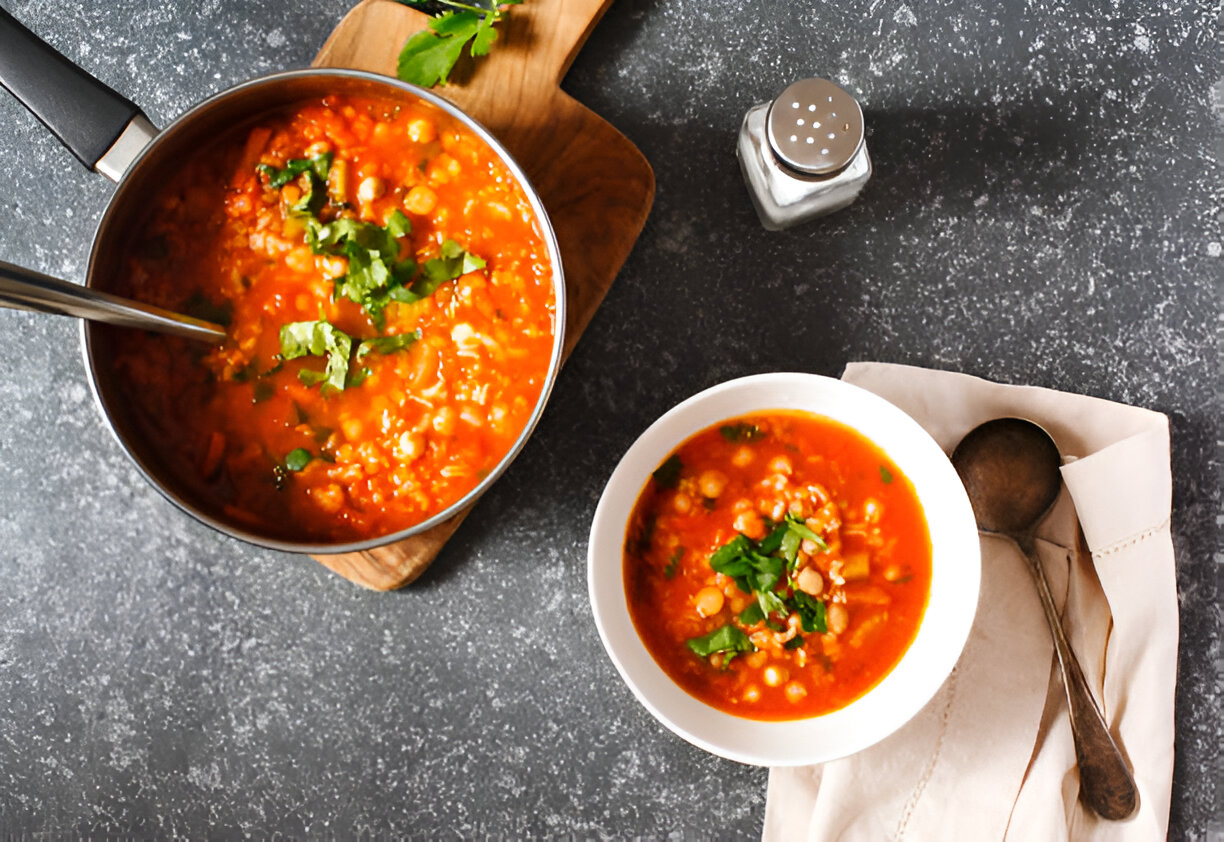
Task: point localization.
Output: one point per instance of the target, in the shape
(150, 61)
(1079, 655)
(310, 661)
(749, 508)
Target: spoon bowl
(1010, 468)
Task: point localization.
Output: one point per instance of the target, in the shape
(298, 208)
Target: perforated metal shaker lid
(815, 127)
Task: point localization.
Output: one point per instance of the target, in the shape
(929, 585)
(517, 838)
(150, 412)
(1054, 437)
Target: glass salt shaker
(803, 155)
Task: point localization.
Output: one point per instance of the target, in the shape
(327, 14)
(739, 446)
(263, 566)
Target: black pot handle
(83, 113)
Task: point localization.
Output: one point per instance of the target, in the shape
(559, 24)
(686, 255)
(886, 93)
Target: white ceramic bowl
(955, 576)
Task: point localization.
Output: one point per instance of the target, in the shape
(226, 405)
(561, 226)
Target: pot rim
(395, 87)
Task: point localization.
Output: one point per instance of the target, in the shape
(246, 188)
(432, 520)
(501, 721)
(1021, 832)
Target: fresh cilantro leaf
(771, 542)
(297, 459)
(803, 531)
(726, 638)
(794, 643)
(429, 56)
(886, 475)
(318, 338)
(454, 262)
(752, 615)
(399, 225)
(811, 612)
(673, 563)
(667, 475)
(315, 169)
(741, 432)
(318, 166)
(729, 551)
(641, 542)
(388, 344)
(790, 546)
(771, 603)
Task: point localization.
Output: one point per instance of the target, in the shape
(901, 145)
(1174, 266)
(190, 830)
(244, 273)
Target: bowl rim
(904, 690)
(392, 88)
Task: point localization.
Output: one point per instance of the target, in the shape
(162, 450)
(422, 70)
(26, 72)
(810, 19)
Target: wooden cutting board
(595, 184)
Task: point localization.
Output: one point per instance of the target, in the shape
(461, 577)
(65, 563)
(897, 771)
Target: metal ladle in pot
(24, 289)
(1010, 469)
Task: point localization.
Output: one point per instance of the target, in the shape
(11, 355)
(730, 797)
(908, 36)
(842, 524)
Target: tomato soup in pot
(388, 296)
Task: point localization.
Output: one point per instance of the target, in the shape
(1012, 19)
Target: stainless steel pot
(109, 134)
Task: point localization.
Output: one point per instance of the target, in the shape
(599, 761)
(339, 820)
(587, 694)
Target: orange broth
(870, 570)
(428, 421)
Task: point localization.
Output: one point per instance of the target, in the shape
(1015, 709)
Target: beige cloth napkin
(991, 756)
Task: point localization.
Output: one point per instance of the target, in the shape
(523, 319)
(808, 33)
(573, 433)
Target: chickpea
(682, 503)
(351, 427)
(752, 693)
(838, 618)
(756, 660)
(742, 457)
(781, 465)
(809, 546)
(420, 200)
(893, 573)
(810, 582)
(709, 601)
(750, 524)
(711, 483)
(410, 447)
(795, 691)
(775, 676)
(444, 421)
(370, 189)
(329, 498)
(421, 131)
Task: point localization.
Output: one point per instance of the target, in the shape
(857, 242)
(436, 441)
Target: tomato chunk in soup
(388, 297)
(777, 566)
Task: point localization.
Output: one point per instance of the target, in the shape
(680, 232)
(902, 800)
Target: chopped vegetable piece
(674, 562)
(667, 475)
(741, 432)
(297, 459)
(727, 638)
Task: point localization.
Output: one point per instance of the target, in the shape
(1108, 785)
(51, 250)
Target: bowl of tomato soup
(393, 297)
(784, 569)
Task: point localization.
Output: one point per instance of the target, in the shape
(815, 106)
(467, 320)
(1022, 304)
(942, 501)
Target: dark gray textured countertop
(1045, 209)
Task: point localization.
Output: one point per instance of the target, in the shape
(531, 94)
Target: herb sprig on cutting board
(429, 56)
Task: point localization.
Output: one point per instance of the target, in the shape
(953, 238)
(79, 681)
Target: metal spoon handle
(1106, 783)
(24, 289)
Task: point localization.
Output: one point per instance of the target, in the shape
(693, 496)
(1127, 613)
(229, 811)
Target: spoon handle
(1106, 783)
(25, 289)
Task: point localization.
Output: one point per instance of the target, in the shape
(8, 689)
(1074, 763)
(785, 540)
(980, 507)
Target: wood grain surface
(595, 184)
